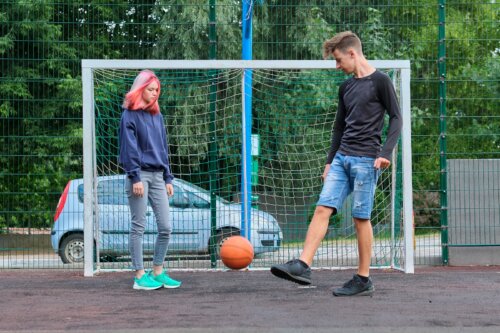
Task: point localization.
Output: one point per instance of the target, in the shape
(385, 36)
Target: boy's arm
(388, 98)
(338, 128)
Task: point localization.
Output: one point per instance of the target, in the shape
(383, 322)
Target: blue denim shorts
(350, 174)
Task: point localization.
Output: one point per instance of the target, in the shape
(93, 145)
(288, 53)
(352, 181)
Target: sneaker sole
(287, 276)
(368, 292)
(145, 288)
(170, 287)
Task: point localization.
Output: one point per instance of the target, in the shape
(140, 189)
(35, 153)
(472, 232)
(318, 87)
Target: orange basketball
(236, 252)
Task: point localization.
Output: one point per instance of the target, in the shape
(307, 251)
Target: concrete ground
(434, 299)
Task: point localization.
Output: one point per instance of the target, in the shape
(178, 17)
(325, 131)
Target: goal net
(247, 145)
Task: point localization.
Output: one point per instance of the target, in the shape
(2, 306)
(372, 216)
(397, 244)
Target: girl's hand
(170, 189)
(138, 189)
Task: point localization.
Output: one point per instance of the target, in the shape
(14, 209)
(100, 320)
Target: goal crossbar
(231, 64)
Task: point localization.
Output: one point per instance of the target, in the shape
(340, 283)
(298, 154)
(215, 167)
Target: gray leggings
(155, 190)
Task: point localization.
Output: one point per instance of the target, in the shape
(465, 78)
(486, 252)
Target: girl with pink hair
(144, 157)
(134, 99)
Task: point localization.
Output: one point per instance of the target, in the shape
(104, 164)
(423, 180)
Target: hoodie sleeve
(129, 154)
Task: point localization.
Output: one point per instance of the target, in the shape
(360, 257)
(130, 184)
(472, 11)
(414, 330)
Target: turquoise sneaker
(146, 282)
(166, 280)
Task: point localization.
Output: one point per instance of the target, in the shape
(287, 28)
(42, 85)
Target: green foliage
(42, 43)
(6, 43)
(40, 136)
(184, 30)
(293, 140)
(376, 36)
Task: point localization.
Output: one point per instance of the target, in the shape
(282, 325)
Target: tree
(43, 43)
(40, 136)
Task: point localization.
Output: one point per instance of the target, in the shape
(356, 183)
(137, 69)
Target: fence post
(442, 131)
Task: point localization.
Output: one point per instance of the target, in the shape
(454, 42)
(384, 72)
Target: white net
(292, 116)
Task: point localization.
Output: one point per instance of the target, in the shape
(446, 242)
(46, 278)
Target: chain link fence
(453, 47)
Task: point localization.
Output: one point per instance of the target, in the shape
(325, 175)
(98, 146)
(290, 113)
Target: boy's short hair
(342, 41)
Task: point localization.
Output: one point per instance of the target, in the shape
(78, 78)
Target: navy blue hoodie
(143, 145)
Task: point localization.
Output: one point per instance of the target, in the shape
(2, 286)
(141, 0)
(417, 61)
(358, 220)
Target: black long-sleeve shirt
(357, 130)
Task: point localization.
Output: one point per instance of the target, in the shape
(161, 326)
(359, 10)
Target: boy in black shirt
(354, 161)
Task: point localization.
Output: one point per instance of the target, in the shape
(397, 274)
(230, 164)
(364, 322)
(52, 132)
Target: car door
(113, 216)
(114, 219)
(187, 217)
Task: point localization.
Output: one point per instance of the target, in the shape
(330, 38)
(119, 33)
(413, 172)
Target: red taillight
(62, 201)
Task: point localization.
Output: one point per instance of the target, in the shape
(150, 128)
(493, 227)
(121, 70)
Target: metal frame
(89, 131)
(228, 64)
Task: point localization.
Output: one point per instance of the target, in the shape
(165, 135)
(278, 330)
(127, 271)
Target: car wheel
(220, 237)
(72, 249)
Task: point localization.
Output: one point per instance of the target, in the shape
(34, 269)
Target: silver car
(189, 216)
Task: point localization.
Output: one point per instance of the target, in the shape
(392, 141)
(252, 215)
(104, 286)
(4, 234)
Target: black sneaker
(295, 270)
(355, 287)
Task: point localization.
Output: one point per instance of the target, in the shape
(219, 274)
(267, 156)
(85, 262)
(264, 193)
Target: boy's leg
(361, 283)
(364, 233)
(364, 178)
(335, 190)
(316, 232)
(298, 270)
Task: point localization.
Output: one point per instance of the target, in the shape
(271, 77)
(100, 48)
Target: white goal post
(89, 66)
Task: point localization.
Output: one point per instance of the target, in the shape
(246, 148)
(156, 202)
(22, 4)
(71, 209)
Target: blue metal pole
(246, 176)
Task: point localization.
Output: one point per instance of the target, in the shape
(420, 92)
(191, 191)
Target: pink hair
(133, 99)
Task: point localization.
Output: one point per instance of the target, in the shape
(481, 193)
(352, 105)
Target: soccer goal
(247, 145)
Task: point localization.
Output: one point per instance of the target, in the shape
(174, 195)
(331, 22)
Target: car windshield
(112, 192)
(109, 192)
(199, 190)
